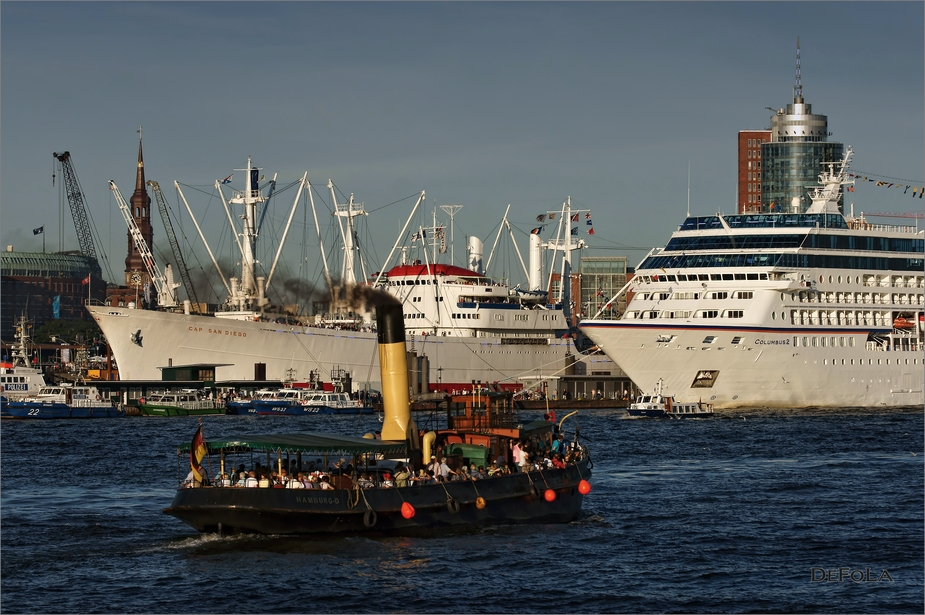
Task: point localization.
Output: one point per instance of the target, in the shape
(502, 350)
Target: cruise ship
(463, 326)
(787, 310)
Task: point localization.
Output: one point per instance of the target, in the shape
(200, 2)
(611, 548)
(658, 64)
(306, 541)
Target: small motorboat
(662, 406)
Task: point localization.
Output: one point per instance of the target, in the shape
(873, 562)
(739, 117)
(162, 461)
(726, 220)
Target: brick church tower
(140, 205)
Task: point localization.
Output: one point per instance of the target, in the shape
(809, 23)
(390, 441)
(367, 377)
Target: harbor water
(752, 511)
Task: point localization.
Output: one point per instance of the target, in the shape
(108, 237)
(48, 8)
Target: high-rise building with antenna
(795, 154)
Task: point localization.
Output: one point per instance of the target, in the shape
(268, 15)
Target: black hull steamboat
(398, 483)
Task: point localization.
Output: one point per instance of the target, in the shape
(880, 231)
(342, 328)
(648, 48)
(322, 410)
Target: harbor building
(45, 286)
(795, 155)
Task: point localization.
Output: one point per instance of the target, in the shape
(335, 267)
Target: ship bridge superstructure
(447, 300)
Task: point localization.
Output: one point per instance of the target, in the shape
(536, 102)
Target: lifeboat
(904, 323)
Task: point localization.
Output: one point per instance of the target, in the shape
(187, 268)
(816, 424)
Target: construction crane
(78, 210)
(75, 198)
(163, 283)
(174, 244)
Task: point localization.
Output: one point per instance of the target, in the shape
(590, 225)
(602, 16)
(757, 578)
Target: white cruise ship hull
(143, 341)
(764, 369)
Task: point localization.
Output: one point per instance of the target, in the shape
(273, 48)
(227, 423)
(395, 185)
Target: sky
(479, 104)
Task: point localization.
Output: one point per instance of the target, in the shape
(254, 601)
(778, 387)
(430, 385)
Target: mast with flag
(197, 452)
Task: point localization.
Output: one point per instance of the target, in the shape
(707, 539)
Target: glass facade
(601, 278)
(790, 170)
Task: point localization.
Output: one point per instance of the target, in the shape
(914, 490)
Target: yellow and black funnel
(396, 400)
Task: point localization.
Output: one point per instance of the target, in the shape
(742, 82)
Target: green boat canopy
(304, 442)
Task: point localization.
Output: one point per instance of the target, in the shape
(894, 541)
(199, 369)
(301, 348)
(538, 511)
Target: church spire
(140, 175)
(140, 205)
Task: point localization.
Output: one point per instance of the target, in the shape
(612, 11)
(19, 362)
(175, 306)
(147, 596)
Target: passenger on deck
(423, 478)
(364, 482)
(402, 475)
(387, 480)
(517, 449)
(557, 461)
(475, 473)
(325, 482)
(251, 480)
(294, 483)
(443, 470)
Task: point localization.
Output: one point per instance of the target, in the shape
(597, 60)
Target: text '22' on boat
(65, 401)
(476, 427)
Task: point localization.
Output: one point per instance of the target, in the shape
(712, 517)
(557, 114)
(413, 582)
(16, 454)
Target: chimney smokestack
(396, 402)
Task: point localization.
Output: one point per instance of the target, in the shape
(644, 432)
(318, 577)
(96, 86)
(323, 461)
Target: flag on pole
(197, 451)
(536, 231)
(227, 180)
(588, 222)
(591, 231)
(86, 280)
(541, 218)
(574, 230)
(552, 216)
(39, 230)
(575, 217)
(588, 216)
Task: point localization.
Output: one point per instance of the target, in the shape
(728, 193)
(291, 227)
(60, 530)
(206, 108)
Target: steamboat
(477, 429)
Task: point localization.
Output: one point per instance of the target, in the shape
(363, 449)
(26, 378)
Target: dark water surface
(726, 515)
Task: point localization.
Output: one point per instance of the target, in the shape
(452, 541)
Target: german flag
(197, 451)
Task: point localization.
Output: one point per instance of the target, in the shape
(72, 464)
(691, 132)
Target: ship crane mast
(174, 244)
(163, 283)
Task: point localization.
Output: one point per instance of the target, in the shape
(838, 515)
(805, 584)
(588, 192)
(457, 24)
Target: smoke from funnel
(360, 297)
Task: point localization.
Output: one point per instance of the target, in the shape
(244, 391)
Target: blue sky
(479, 104)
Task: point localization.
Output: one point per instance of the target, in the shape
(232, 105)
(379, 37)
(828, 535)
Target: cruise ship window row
(688, 295)
(838, 317)
(683, 314)
(694, 223)
(796, 261)
(702, 277)
(867, 298)
(805, 240)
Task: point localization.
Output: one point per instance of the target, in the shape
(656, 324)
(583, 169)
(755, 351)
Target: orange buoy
(584, 487)
(407, 510)
(550, 495)
(480, 502)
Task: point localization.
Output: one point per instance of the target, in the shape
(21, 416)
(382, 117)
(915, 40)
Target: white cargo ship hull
(143, 341)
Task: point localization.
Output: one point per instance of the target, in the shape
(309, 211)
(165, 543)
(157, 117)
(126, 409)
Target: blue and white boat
(310, 401)
(18, 378)
(245, 405)
(660, 406)
(65, 401)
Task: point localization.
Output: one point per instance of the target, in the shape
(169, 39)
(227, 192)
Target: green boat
(178, 404)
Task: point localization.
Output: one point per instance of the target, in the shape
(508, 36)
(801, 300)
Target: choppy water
(727, 515)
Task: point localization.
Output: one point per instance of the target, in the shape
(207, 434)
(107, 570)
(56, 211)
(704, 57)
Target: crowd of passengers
(530, 455)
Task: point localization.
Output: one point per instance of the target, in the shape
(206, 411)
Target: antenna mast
(798, 84)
